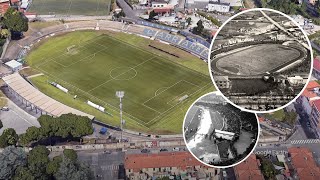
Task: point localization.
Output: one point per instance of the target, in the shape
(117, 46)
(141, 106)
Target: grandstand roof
(37, 98)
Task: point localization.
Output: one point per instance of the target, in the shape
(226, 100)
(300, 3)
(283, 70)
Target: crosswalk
(305, 141)
(110, 167)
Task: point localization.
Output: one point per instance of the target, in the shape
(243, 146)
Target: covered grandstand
(38, 101)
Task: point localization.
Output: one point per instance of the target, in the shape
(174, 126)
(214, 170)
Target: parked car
(145, 151)
(162, 150)
(4, 108)
(176, 149)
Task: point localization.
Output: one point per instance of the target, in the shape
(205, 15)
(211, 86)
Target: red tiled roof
(261, 119)
(181, 160)
(316, 103)
(303, 162)
(316, 64)
(249, 169)
(308, 92)
(15, 1)
(162, 10)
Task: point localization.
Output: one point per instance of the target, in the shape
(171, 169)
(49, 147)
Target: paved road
(17, 119)
(127, 9)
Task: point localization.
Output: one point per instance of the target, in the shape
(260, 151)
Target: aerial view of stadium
(260, 60)
(92, 65)
(219, 134)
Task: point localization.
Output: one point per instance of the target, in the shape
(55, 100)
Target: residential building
(316, 68)
(303, 163)
(249, 169)
(309, 95)
(218, 6)
(315, 116)
(222, 82)
(149, 166)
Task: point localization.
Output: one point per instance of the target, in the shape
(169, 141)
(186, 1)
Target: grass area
(97, 65)
(277, 115)
(71, 7)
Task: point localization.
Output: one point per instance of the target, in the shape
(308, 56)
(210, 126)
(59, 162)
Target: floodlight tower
(120, 95)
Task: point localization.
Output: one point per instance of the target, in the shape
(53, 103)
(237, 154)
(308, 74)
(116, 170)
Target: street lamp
(120, 95)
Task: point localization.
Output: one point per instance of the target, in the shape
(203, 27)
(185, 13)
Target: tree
(54, 165)
(15, 20)
(199, 28)
(70, 154)
(8, 137)
(23, 173)
(11, 158)
(4, 33)
(73, 170)
(152, 14)
(188, 20)
(38, 161)
(1, 125)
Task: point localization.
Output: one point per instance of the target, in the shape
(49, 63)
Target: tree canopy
(15, 20)
(9, 137)
(11, 158)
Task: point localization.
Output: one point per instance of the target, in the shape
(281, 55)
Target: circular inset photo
(260, 60)
(217, 133)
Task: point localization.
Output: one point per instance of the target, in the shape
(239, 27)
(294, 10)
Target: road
(130, 13)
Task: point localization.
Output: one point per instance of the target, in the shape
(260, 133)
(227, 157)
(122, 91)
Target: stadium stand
(168, 37)
(36, 99)
(158, 26)
(148, 32)
(192, 37)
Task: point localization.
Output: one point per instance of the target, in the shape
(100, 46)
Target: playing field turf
(71, 7)
(97, 65)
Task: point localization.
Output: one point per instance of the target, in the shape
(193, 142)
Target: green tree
(199, 28)
(8, 137)
(73, 170)
(38, 161)
(70, 154)
(23, 173)
(54, 165)
(4, 33)
(15, 20)
(188, 20)
(11, 158)
(152, 14)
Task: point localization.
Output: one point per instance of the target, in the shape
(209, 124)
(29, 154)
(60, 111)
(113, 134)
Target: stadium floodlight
(120, 95)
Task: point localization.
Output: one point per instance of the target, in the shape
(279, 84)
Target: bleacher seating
(154, 25)
(179, 42)
(195, 38)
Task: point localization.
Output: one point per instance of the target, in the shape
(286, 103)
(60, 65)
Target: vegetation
(199, 28)
(152, 14)
(15, 21)
(212, 19)
(9, 137)
(67, 126)
(18, 165)
(1, 125)
(267, 168)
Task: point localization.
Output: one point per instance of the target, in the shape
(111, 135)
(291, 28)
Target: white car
(176, 149)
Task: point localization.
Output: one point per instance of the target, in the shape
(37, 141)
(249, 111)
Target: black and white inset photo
(260, 60)
(217, 133)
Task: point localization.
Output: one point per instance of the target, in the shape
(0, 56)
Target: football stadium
(257, 59)
(160, 81)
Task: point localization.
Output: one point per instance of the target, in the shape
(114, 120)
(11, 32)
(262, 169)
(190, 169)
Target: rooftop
(181, 160)
(309, 91)
(304, 164)
(316, 64)
(13, 64)
(249, 169)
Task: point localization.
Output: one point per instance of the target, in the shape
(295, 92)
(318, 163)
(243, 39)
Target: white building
(224, 134)
(295, 81)
(222, 82)
(14, 65)
(218, 6)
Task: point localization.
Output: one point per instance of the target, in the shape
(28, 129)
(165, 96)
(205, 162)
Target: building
(218, 6)
(222, 82)
(249, 169)
(315, 116)
(224, 134)
(296, 80)
(303, 163)
(308, 96)
(14, 65)
(316, 68)
(313, 2)
(149, 166)
(4, 6)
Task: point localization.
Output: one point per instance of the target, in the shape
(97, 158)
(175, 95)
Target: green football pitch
(94, 66)
(71, 7)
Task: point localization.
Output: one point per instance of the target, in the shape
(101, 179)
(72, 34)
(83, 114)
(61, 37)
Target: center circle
(123, 73)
